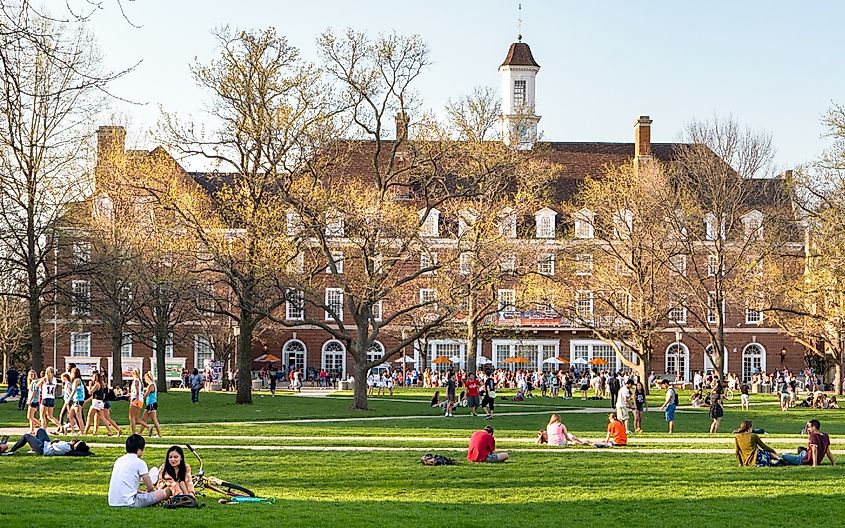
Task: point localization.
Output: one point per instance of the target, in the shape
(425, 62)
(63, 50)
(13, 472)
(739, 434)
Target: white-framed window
(297, 263)
(334, 356)
(295, 304)
(712, 265)
(753, 361)
(334, 303)
(677, 311)
(80, 344)
(507, 300)
(519, 92)
(507, 223)
(294, 354)
(81, 253)
(377, 310)
(337, 257)
(126, 345)
(622, 267)
(431, 223)
(507, 263)
(466, 219)
(582, 351)
(203, 351)
(428, 297)
(449, 348)
(709, 367)
(623, 224)
(679, 264)
(125, 295)
(428, 260)
(712, 315)
(677, 360)
(545, 220)
(168, 347)
(584, 304)
(80, 297)
(752, 224)
(294, 224)
(334, 225)
(583, 264)
(546, 264)
(375, 352)
(533, 350)
(465, 263)
(621, 303)
(584, 224)
(753, 314)
(713, 229)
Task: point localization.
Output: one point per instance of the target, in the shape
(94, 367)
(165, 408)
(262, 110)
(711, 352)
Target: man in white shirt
(129, 470)
(623, 403)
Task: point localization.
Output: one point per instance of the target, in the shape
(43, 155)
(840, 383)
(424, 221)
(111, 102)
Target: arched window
(753, 361)
(677, 360)
(294, 354)
(709, 368)
(376, 351)
(334, 357)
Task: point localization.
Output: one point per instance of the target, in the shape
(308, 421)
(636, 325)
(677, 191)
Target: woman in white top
(48, 398)
(136, 399)
(558, 435)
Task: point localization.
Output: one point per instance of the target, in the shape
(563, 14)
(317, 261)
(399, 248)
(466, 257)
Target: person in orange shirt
(616, 435)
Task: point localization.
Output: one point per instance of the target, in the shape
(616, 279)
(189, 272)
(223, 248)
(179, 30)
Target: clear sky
(774, 65)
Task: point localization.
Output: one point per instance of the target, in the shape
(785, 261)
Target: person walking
(614, 386)
(33, 401)
(623, 402)
(136, 399)
(195, 384)
(11, 384)
(716, 413)
(670, 404)
(151, 409)
(47, 386)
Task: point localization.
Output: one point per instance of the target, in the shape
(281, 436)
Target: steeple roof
(519, 54)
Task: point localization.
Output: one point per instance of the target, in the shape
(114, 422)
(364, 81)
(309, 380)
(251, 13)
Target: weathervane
(519, 24)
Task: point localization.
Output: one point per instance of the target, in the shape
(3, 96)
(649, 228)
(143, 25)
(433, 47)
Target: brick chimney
(401, 125)
(111, 150)
(642, 137)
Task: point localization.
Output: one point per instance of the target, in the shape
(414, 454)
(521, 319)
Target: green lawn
(560, 487)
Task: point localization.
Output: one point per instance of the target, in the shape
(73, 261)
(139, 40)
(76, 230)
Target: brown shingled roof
(519, 54)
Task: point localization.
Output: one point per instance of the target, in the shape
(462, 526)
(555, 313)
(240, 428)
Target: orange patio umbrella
(598, 361)
(517, 359)
(267, 358)
(442, 360)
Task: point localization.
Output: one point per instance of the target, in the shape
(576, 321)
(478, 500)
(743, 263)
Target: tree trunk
(116, 359)
(161, 351)
(37, 348)
(472, 341)
(359, 400)
(644, 368)
(245, 327)
(837, 374)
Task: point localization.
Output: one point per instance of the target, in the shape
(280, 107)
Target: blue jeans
(792, 459)
(36, 441)
(195, 395)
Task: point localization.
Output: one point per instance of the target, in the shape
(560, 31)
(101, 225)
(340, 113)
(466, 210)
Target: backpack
(182, 501)
(436, 460)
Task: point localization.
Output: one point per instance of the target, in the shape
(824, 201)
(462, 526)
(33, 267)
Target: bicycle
(729, 393)
(203, 482)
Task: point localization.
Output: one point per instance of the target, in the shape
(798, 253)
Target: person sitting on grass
(616, 434)
(435, 400)
(557, 434)
(750, 450)
(129, 470)
(696, 399)
(41, 444)
(482, 447)
(175, 474)
(818, 447)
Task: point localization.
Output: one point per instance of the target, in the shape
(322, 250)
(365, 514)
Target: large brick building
(751, 344)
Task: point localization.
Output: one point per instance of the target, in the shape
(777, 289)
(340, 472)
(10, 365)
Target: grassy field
(673, 486)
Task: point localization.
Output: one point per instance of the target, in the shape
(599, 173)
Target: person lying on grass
(616, 434)
(129, 470)
(482, 447)
(41, 444)
(750, 450)
(557, 434)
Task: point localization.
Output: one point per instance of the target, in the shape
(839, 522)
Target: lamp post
(678, 353)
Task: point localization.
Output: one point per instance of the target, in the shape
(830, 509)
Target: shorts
(34, 405)
(785, 397)
(79, 403)
(142, 500)
(97, 405)
(451, 397)
(670, 413)
(472, 401)
(744, 398)
(48, 402)
(106, 405)
(152, 407)
(622, 413)
(492, 458)
(488, 402)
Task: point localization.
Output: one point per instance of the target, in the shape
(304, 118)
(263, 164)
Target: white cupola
(519, 119)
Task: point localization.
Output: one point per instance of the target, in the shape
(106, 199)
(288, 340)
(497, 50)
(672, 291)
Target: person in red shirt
(482, 447)
(473, 387)
(616, 434)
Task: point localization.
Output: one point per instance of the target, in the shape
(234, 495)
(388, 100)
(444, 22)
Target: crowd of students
(39, 393)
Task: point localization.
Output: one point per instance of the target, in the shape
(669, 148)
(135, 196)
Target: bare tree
(51, 85)
(13, 328)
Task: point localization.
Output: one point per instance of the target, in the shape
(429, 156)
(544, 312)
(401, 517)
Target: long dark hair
(744, 427)
(177, 474)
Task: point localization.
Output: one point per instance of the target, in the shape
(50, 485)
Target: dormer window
(623, 224)
(711, 230)
(752, 223)
(545, 220)
(431, 222)
(584, 224)
(519, 92)
(507, 223)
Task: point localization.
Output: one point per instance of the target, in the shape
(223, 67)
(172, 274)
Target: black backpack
(182, 501)
(436, 460)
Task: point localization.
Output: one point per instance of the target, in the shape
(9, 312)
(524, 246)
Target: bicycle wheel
(227, 488)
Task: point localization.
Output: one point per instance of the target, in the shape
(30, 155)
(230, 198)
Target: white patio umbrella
(406, 359)
(456, 359)
(580, 361)
(481, 360)
(553, 360)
